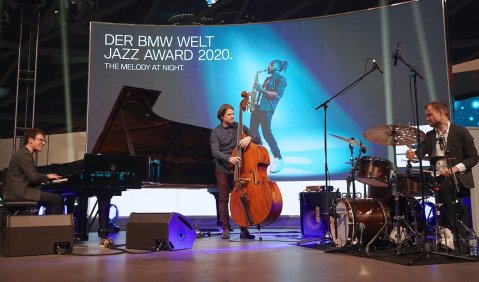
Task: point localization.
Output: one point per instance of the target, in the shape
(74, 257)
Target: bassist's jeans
(225, 184)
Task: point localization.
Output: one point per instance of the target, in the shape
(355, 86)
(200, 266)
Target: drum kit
(362, 221)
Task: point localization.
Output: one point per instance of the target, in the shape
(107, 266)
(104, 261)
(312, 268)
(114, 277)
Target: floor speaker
(28, 235)
(314, 212)
(169, 231)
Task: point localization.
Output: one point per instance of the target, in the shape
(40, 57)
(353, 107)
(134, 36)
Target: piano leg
(81, 218)
(103, 215)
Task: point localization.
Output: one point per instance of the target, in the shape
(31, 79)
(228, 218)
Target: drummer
(462, 154)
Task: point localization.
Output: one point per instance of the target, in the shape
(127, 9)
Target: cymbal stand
(454, 193)
(437, 206)
(357, 228)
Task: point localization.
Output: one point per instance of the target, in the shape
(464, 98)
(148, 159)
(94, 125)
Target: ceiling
(53, 105)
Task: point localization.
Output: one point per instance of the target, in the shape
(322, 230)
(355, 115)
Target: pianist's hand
(53, 176)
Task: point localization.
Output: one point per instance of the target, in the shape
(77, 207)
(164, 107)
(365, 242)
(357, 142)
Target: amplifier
(28, 235)
(314, 212)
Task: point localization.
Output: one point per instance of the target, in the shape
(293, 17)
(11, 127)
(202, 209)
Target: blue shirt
(277, 83)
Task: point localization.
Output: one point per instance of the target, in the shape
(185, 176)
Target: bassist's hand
(245, 142)
(235, 160)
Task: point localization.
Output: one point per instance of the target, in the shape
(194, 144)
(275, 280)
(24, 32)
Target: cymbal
(393, 134)
(350, 141)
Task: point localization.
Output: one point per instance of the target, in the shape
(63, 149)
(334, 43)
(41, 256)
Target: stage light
(210, 2)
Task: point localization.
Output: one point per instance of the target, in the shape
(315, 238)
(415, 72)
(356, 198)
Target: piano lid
(132, 128)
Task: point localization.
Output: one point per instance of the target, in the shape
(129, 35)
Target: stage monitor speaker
(28, 235)
(314, 212)
(170, 231)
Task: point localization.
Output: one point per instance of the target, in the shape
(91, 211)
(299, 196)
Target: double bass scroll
(255, 200)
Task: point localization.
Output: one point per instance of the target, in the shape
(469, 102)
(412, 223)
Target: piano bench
(19, 207)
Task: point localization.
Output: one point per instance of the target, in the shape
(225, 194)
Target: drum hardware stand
(442, 144)
(427, 249)
(355, 240)
(397, 219)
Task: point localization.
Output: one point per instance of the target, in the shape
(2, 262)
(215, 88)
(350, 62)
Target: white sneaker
(277, 165)
(446, 238)
(394, 234)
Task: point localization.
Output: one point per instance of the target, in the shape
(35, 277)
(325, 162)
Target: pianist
(223, 141)
(22, 175)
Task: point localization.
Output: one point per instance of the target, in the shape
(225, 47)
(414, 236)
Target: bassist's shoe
(244, 234)
(226, 234)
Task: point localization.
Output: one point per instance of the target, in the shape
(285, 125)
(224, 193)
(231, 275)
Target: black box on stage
(148, 231)
(314, 212)
(28, 235)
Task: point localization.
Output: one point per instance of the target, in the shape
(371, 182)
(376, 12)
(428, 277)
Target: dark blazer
(460, 145)
(22, 176)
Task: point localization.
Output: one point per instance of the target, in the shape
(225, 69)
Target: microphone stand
(325, 105)
(456, 190)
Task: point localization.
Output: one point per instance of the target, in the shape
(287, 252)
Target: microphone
(376, 66)
(441, 143)
(262, 71)
(396, 55)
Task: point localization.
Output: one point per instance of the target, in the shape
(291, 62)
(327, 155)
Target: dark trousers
(225, 184)
(263, 119)
(52, 202)
(447, 196)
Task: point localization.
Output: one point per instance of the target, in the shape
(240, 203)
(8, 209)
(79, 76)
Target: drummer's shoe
(394, 234)
(446, 238)
(244, 234)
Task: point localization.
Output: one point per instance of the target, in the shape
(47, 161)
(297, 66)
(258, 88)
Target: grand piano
(152, 151)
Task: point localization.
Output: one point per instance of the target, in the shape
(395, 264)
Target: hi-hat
(393, 134)
(350, 141)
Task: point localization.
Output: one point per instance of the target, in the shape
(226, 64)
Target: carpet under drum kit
(397, 213)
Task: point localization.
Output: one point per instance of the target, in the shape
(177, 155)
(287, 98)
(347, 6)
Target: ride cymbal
(393, 134)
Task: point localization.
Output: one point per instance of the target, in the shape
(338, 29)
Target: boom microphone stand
(325, 105)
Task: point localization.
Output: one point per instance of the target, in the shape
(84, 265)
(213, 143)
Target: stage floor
(276, 258)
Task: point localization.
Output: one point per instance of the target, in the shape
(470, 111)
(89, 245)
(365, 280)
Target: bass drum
(372, 213)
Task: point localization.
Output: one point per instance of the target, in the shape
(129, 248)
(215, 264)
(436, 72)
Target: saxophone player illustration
(265, 98)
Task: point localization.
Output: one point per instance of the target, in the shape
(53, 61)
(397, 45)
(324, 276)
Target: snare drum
(374, 171)
(372, 213)
(410, 185)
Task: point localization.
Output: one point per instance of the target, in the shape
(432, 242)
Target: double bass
(255, 200)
